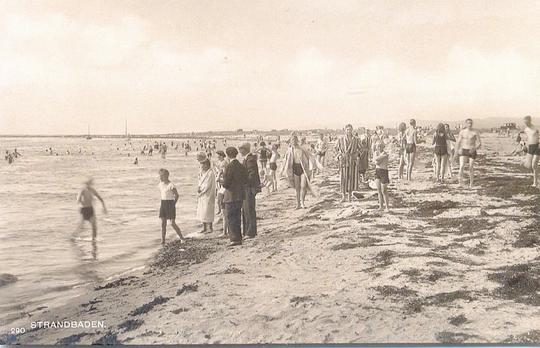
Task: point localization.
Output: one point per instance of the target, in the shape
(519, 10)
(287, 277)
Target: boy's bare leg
(534, 167)
(297, 187)
(385, 195)
(461, 168)
(93, 222)
(303, 191)
(176, 228)
(163, 230)
(380, 194)
(471, 172)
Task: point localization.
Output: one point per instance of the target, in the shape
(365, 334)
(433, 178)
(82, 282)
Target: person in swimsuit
(410, 147)
(85, 199)
(296, 169)
(380, 158)
(263, 153)
(273, 166)
(467, 144)
(450, 145)
(440, 150)
(402, 142)
(321, 148)
(533, 150)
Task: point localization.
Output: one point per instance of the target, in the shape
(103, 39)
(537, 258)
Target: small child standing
(167, 210)
(380, 157)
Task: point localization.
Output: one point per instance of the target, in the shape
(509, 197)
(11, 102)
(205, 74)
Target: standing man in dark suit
(234, 182)
(249, 216)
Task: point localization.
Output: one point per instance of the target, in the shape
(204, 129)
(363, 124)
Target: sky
(192, 65)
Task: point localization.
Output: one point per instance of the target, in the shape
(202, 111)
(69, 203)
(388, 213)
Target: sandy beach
(446, 265)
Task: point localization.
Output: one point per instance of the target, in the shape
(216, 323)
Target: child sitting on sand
(167, 210)
(267, 180)
(380, 158)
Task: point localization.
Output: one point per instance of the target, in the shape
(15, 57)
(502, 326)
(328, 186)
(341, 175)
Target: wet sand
(447, 265)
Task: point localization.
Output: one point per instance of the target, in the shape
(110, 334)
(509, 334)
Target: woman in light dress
(206, 196)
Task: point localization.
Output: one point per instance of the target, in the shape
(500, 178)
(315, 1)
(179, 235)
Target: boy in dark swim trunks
(85, 199)
(167, 210)
(380, 157)
(410, 147)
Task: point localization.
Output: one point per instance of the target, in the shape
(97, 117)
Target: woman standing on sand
(206, 195)
(440, 150)
(450, 141)
(347, 149)
(296, 169)
(363, 156)
(273, 165)
(402, 142)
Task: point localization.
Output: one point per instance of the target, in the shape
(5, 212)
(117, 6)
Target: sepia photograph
(181, 172)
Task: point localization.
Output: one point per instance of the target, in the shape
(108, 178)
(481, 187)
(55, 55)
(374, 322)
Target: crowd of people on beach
(227, 187)
(356, 151)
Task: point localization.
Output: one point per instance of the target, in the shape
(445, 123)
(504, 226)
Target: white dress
(207, 196)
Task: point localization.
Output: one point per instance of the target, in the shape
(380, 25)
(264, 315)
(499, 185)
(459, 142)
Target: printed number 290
(17, 330)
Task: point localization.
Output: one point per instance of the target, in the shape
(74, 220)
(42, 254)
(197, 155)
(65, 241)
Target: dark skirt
(273, 166)
(167, 210)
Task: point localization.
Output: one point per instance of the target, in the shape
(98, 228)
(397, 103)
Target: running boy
(167, 210)
(85, 199)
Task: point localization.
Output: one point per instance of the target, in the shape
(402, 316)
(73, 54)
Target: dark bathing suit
(468, 153)
(382, 174)
(87, 212)
(534, 149)
(297, 169)
(410, 148)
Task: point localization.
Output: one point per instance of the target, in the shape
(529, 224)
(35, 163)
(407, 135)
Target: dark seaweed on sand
(117, 283)
(190, 252)
(110, 338)
(520, 283)
(130, 324)
(187, 288)
(150, 305)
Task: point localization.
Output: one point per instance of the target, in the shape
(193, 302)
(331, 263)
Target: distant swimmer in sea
(85, 199)
(533, 149)
(467, 144)
(136, 162)
(410, 147)
(16, 153)
(167, 210)
(380, 158)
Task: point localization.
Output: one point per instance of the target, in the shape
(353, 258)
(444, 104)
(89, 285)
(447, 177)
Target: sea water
(40, 242)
